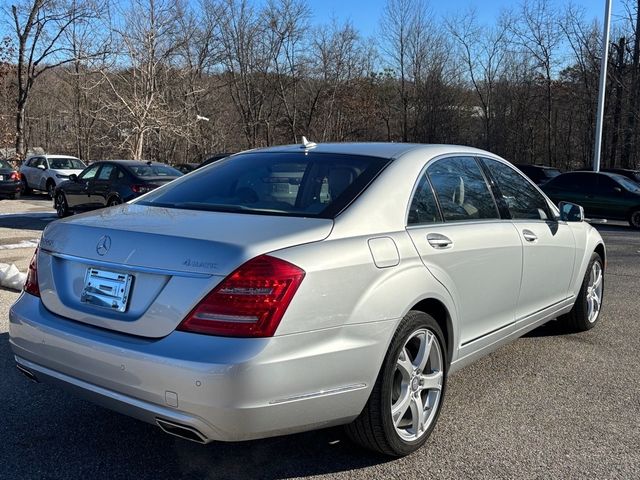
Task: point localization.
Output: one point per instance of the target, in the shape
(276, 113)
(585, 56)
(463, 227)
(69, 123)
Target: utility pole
(603, 86)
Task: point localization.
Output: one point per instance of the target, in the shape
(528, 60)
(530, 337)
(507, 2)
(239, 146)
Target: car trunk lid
(169, 258)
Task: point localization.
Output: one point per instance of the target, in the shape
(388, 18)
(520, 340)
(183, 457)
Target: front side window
(90, 172)
(462, 190)
(522, 199)
(295, 184)
(423, 207)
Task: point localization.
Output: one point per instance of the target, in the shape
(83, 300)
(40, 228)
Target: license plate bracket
(106, 289)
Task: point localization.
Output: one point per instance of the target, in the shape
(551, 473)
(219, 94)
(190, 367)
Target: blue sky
(365, 14)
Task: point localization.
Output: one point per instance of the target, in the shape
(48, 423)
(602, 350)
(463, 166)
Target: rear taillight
(143, 188)
(31, 284)
(15, 176)
(250, 302)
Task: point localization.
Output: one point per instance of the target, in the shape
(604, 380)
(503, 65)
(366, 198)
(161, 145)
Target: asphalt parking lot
(550, 405)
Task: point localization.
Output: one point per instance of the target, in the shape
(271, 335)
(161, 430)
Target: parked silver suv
(45, 172)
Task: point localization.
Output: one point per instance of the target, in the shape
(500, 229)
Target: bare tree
(139, 76)
(538, 33)
(40, 27)
(482, 50)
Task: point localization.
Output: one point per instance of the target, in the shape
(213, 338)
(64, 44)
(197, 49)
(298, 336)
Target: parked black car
(10, 185)
(630, 174)
(186, 167)
(539, 173)
(108, 183)
(214, 158)
(601, 194)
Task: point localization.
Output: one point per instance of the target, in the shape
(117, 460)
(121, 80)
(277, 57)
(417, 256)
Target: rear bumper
(225, 388)
(9, 188)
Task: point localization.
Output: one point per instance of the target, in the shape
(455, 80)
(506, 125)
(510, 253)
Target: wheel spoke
(431, 381)
(400, 408)
(598, 281)
(417, 414)
(424, 351)
(404, 364)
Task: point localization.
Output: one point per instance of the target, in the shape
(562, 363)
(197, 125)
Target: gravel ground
(549, 405)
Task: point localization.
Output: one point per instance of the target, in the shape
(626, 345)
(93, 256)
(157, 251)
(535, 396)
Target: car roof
(374, 149)
(130, 162)
(56, 156)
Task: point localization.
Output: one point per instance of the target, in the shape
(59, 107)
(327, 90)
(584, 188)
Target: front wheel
(25, 187)
(406, 398)
(585, 312)
(61, 205)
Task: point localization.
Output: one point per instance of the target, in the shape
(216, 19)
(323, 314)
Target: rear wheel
(406, 398)
(634, 219)
(113, 201)
(61, 205)
(585, 312)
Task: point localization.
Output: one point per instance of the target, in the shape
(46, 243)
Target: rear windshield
(5, 164)
(66, 164)
(296, 184)
(154, 171)
(551, 172)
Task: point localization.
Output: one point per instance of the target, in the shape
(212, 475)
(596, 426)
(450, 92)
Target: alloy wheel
(61, 205)
(594, 292)
(417, 385)
(635, 219)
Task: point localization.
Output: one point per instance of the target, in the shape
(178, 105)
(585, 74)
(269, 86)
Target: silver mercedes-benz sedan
(293, 288)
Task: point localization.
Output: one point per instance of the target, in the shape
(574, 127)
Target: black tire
(578, 319)
(634, 219)
(14, 196)
(51, 188)
(113, 201)
(374, 428)
(61, 205)
(25, 187)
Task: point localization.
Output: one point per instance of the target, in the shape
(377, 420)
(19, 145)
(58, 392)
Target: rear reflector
(250, 302)
(31, 284)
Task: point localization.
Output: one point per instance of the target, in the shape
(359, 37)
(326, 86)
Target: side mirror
(618, 189)
(570, 212)
(42, 167)
(73, 177)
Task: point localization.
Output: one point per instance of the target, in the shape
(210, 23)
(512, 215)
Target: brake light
(15, 176)
(143, 188)
(250, 302)
(31, 284)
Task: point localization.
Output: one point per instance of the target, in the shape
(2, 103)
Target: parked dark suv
(601, 194)
(109, 183)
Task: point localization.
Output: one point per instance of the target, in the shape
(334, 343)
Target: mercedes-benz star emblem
(104, 244)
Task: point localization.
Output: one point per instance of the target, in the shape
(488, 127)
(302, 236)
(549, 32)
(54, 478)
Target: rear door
(548, 245)
(456, 227)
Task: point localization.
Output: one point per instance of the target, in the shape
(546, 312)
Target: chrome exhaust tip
(27, 373)
(183, 431)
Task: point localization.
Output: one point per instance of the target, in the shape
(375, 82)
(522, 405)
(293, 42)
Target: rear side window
(424, 208)
(105, 173)
(462, 190)
(522, 199)
(298, 184)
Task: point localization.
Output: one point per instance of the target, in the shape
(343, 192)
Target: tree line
(173, 80)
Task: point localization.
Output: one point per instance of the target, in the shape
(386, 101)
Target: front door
(548, 244)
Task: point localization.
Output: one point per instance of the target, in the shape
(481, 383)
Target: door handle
(529, 236)
(439, 241)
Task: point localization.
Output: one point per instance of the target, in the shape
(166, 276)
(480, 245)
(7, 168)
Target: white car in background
(46, 172)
